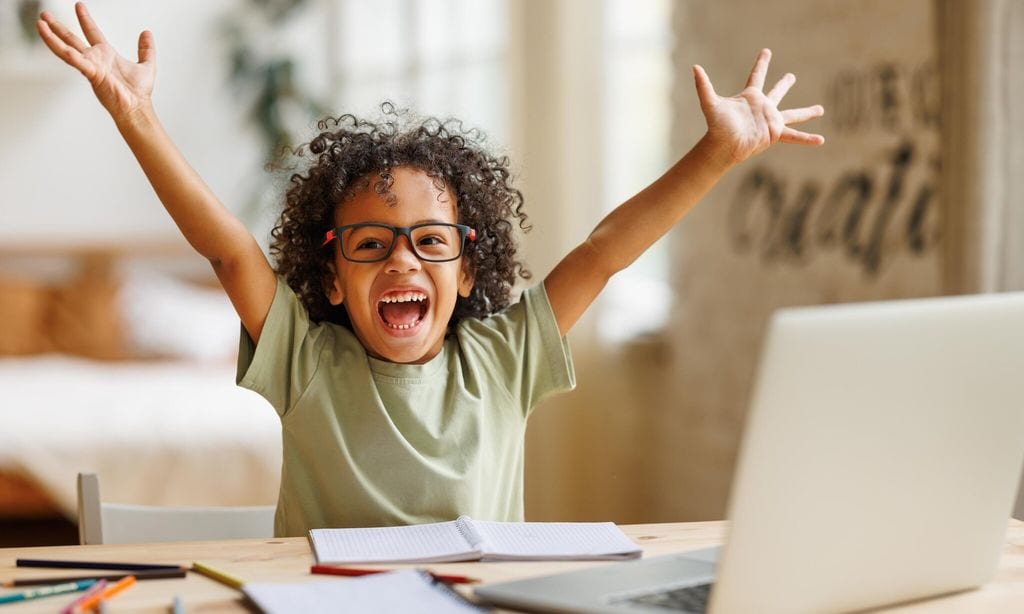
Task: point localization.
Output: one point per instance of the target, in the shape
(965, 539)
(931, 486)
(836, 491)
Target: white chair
(113, 523)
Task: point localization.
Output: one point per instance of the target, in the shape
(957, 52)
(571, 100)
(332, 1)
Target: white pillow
(169, 318)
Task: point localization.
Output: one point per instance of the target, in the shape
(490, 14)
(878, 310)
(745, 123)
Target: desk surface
(289, 559)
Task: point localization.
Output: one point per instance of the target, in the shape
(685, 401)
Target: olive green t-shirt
(373, 443)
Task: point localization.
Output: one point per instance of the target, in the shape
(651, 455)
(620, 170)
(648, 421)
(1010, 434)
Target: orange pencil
(107, 593)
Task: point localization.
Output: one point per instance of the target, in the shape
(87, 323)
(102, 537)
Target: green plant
(266, 82)
(28, 13)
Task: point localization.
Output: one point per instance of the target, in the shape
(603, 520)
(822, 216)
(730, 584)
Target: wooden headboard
(49, 261)
(64, 297)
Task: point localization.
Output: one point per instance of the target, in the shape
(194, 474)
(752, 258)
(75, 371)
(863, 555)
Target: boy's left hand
(749, 122)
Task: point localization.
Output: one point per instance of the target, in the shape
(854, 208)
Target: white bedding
(157, 433)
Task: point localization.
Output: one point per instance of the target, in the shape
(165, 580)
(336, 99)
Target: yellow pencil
(216, 574)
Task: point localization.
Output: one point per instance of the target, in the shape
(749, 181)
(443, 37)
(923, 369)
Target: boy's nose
(403, 258)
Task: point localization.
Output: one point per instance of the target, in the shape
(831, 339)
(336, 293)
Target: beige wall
(67, 176)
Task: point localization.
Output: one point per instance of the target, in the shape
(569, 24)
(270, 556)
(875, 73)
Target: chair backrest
(113, 523)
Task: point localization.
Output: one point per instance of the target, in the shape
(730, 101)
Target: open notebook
(466, 539)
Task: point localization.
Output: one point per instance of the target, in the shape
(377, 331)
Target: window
(446, 58)
(637, 123)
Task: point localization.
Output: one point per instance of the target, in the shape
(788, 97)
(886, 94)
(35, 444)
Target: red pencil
(354, 571)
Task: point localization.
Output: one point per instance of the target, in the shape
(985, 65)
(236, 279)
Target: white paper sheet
(399, 591)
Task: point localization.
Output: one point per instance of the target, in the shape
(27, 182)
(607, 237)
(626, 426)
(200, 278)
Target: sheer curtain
(982, 47)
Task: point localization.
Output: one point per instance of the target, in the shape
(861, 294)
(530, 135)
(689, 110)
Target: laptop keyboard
(692, 598)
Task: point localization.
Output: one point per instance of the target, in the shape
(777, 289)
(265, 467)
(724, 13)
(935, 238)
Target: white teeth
(402, 297)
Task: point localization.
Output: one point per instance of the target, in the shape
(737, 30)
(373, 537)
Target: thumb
(705, 91)
(147, 48)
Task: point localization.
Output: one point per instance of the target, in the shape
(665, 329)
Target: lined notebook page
(554, 540)
(440, 542)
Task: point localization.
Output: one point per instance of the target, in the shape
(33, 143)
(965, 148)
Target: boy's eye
(431, 240)
(370, 244)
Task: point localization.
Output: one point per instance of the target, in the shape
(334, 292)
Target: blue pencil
(46, 591)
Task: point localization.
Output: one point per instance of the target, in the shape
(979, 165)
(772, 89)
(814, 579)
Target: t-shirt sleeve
(282, 364)
(522, 349)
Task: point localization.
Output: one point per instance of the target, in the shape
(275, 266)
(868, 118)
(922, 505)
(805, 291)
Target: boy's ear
(335, 295)
(466, 279)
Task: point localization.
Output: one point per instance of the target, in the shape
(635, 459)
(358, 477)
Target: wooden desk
(288, 560)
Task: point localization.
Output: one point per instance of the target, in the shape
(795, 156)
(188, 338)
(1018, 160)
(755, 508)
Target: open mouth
(403, 310)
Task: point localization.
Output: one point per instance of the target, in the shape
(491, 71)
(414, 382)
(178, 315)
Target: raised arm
(124, 89)
(738, 127)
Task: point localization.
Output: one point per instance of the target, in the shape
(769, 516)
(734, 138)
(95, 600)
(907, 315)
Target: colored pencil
(177, 606)
(92, 590)
(106, 593)
(355, 571)
(216, 574)
(92, 565)
(46, 591)
(154, 574)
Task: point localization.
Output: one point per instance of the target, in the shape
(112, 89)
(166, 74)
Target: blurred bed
(120, 361)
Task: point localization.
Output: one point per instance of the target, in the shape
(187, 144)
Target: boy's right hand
(122, 86)
(124, 89)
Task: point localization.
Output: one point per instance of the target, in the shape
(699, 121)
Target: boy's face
(400, 306)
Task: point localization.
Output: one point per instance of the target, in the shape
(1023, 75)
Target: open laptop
(879, 464)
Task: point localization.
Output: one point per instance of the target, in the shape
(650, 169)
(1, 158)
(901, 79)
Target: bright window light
(637, 123)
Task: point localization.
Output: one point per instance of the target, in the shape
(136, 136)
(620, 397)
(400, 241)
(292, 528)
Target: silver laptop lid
(881, 455)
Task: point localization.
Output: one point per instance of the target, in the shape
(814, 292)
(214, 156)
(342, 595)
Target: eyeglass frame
(465, 232)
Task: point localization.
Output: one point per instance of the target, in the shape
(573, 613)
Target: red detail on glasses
(330, 236)
(472, 234)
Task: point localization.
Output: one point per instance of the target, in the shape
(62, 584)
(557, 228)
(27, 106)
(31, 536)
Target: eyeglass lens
(431, 242)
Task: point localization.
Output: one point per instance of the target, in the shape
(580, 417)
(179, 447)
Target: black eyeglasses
(373, 242)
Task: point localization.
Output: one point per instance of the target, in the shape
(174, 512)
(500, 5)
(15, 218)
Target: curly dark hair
(349, 152)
